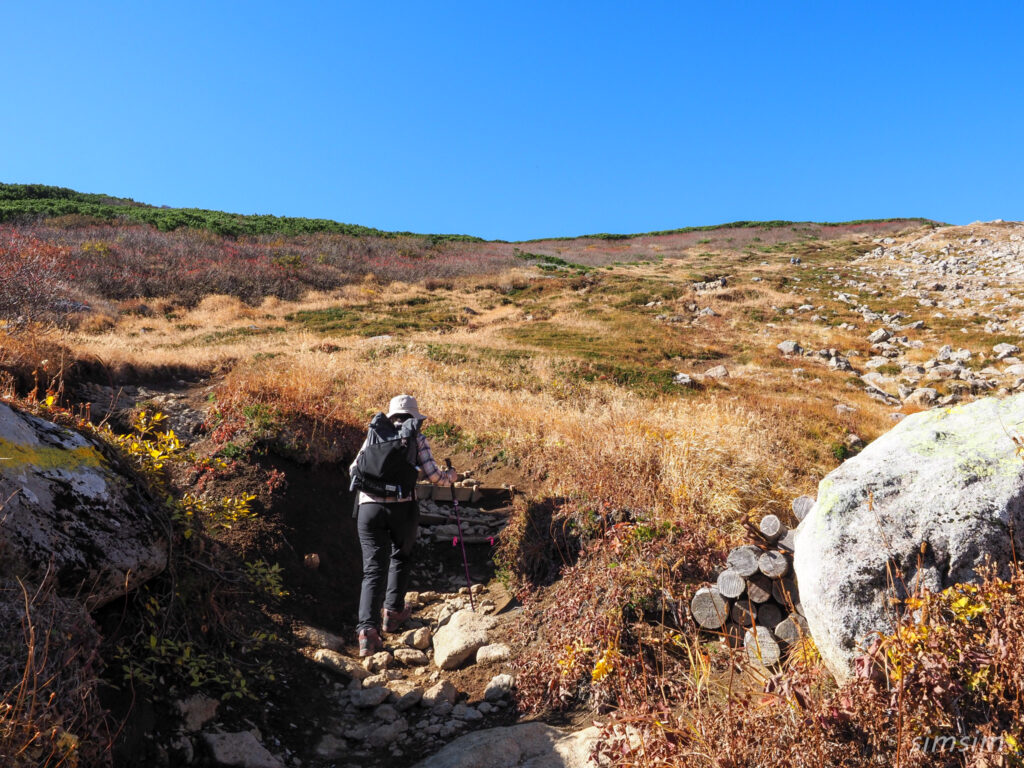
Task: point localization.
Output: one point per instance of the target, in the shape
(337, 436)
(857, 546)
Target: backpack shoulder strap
(410, 432)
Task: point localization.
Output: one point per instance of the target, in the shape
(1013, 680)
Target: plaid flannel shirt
(425, 463)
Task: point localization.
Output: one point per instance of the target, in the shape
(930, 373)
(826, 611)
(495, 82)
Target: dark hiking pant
(387, 533)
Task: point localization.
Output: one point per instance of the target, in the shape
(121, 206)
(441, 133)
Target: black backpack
(387, 466)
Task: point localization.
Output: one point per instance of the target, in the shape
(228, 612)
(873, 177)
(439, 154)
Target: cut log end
(761, 646)
(791, 629)
(709, 609)
(773, 564)
(787, 541)
(769, 615)
(743, 560)
(741, 613)
(731, 583)
(802, 506)
(785, 593)
(759, 588)
(771, 527)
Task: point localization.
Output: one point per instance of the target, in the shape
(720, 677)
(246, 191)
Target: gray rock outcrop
(500, 686)
(535, 745)
(241, 749)
(493, 654)
(929, 500)
(64, 504)
(196, 711)
(460, 638)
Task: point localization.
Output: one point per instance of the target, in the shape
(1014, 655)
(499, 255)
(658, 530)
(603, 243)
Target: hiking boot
(395, 619)
(369, 642)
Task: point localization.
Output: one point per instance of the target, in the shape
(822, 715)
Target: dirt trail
(327, 707)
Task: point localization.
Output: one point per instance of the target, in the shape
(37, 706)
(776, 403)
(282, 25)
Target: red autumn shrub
(33, 276)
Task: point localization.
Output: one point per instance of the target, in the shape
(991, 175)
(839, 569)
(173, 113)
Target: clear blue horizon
(523, 121)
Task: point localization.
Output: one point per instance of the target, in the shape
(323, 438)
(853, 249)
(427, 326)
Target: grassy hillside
(762, 225)
(105, 248)
(584, 372)
(22, 203)
(32, 202)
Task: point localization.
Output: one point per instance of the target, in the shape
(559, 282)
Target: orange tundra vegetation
(588, 369)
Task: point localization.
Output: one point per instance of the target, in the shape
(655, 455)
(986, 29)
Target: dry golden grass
(670, 456)
(35, 358)
(531, 391)
(565, 377)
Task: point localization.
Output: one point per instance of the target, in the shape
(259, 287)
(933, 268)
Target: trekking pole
(462, 542)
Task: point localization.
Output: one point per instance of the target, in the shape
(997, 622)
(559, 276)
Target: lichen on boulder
(922, 507)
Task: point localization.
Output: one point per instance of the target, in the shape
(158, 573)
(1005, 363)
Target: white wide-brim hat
(404, 404)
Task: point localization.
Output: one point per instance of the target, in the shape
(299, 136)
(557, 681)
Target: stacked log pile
(483, 519)
(466, 490)
(755, 601)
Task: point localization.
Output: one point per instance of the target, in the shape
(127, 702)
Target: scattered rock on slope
(241, 749)
(946, 479)
(531, 744)
(500, 686)
(460, 638)
(718, 372)
(493, 654)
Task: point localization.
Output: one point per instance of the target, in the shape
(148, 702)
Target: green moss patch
(16, 457)
(417, 314)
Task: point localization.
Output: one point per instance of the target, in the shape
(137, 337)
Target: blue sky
(522, 120)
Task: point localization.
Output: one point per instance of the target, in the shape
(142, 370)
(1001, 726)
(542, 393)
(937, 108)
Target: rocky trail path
(445, 675)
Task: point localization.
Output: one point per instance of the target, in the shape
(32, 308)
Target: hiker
(387, 514)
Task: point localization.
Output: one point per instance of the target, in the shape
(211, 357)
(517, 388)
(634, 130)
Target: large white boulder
(65, 506)
(929, 500)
